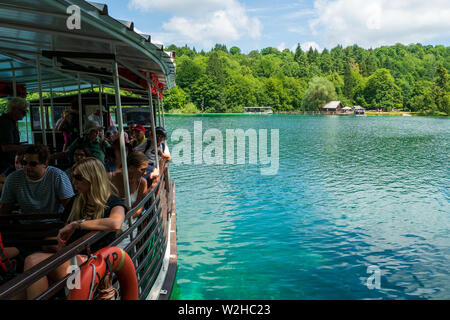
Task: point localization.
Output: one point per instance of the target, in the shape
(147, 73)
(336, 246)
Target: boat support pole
(159, 112)
(53, 121)
(13, 78)
(100, 103)
(123, 153)
(162, 109)
(152, 117)
(41, 101)
(80, 108)
(121, 133)
(15, 93)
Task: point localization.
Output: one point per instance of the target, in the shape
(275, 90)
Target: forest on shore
(405, 78)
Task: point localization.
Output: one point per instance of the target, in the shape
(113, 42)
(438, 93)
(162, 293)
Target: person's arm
(166, 156)
(141, 195)
(111, 224)
(59, 155)
(165, 153)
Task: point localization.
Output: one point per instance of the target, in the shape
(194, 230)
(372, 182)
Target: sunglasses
(78, 177)
(31, 163)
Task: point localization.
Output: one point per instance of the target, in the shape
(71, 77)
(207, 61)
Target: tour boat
(57, 47)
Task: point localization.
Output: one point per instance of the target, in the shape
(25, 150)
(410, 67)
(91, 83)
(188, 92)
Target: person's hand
(65, 233)
(137, 215)
(154, 173)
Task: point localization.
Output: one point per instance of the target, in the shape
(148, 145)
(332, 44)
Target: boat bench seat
(31, 231)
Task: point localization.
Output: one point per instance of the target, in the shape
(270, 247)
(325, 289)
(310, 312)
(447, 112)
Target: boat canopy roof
(32, 31)
(92, 98)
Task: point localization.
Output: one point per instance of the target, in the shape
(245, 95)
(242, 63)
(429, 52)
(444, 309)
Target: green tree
(442, 89)
(382, 92)
(187, 72)
(423, 96)
(325, 61)
(349, 81)
(302, 60)
(320, 92)
(235, 51)
(175, 98)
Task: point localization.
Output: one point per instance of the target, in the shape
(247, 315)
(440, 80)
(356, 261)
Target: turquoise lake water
(351, 192)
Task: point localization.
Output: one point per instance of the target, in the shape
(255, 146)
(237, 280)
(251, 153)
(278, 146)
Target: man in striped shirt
(37, 188)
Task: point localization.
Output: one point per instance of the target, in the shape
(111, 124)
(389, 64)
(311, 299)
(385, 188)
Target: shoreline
(368, 114)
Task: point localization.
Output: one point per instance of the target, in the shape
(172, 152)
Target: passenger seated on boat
(9, 132)
(17, 165)
(137, 166)
(131, 126)
(112, 134)
(163, 153)
(94, 208)
(91, 140)
(96, 116)
(113, 162)
(78, 154)
(139, 139)
(38, 187)
(163, 148)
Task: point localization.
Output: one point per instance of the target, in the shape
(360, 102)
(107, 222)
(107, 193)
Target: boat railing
(145, 239)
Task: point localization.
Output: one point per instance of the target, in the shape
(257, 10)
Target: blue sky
(257, 24)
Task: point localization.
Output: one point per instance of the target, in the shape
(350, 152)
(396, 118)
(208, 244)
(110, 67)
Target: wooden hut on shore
(333, 107)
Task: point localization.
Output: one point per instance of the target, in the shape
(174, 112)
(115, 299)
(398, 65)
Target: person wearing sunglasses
(94, 208)
(78, 154)
(37, 187)
(137, 166)
(9, 132)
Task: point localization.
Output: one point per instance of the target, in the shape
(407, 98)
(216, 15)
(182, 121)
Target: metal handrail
(22, 281)
(151, 281)
(131, 228)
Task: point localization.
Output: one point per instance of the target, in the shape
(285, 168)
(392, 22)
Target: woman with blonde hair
(94, 208)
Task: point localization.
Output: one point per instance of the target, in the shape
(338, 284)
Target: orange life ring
(94, 270)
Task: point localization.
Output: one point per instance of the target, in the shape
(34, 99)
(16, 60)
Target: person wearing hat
(91, 141)
(96, 116)
(139, 138)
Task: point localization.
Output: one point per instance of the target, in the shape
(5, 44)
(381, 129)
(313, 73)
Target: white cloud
(177, 6)
(373, 23)
(281, 46)
(204, 21)
(306, 45)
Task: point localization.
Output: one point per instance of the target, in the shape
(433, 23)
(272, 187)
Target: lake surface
(350, 192)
